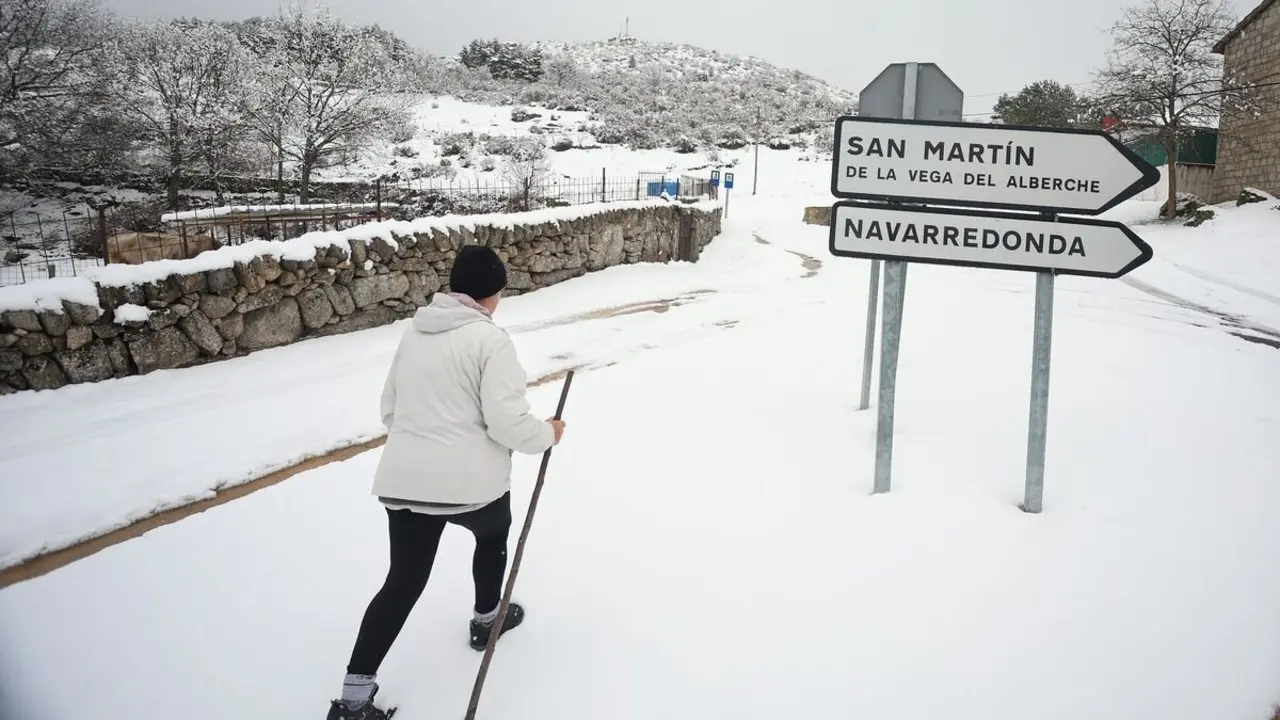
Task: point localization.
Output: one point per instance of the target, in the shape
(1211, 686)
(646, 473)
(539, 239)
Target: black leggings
(415, 537)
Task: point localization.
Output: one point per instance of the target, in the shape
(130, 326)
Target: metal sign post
(880, 166)
(869, 345)
(728, 185)
(901, 90)
(1038, 421)
(895, 297)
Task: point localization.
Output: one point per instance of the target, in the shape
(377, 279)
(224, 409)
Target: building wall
(1249, 148)
(1194, 179)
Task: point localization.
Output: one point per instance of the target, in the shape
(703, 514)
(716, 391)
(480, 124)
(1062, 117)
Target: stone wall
(1249, 147)
(127, 320)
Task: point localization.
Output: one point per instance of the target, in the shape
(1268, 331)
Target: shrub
(520, 115)
(499, 144)
(403, 130)
(456, 143)
(733, 139)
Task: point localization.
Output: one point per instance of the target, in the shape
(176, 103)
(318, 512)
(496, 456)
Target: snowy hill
(657, 93)
(649, 94)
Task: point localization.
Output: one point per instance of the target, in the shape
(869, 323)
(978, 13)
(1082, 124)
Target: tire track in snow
(1252, 332)
(1230, 285)
(812, 265)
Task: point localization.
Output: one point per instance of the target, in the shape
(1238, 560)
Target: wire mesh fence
(45, 246)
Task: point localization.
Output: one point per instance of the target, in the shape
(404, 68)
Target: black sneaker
(338, 710)
(480, 632)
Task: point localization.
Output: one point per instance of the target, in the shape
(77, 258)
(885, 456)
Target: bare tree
(49, 89)
(337, 79)
(185, 83)
(527, 166)
(269, 109)
(560, 70)
(1161, 74)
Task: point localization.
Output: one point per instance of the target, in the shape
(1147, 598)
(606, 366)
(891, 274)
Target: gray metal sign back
(936, 97)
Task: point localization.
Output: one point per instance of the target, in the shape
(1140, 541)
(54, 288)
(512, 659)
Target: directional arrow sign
(993, 166)
(975, 238)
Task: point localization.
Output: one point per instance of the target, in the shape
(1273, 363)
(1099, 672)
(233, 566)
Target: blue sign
(715, 178)
(670, 187)
(728, 181)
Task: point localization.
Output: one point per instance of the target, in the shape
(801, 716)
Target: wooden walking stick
(515, 565)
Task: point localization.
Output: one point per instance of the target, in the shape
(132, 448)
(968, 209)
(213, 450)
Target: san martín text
(1009, 154)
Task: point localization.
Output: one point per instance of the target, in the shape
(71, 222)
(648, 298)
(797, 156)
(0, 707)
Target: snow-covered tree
(269, 110)
(1162, 77)
(527, 165)
(1046, 103)
(503, 60)
(184, 83)
(50, 89)
(337, 79)
(560, 70)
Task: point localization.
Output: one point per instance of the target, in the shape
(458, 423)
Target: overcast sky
(985, 46)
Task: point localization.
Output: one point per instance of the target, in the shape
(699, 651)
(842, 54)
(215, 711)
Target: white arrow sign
(993, 166)
(973, 238)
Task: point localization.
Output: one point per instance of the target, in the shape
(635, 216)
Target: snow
(216, 212)
(1229, 264)
(48, 294)
(130, 313)
(707, 528)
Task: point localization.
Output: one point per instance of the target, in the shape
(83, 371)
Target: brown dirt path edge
(47, 563)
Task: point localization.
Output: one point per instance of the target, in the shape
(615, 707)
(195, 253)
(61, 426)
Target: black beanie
(477, 271)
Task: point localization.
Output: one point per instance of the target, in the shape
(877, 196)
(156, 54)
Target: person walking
(455, 410)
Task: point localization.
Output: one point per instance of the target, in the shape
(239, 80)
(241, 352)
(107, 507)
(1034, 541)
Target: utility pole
(755, 165)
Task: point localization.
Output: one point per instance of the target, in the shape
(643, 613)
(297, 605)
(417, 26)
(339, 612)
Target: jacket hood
(445, 313)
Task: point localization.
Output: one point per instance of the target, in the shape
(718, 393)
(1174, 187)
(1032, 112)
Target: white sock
(489, 617)
(356, 690)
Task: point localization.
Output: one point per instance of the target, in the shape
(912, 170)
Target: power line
(1005, 92)
(1201, 93)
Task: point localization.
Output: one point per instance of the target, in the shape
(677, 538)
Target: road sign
(933, 96)
(975, 238)
(715, 178)
(1056, 170)
(728, 181)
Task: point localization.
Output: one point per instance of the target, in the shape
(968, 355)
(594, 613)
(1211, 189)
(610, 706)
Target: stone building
(1249, 147)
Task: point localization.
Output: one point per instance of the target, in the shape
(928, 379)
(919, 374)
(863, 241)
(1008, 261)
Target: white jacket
(455, 408)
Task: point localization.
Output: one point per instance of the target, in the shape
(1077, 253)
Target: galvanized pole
(895, 278)
(1038, 424)
(755, 164)
(895, 288)
(869, 347)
